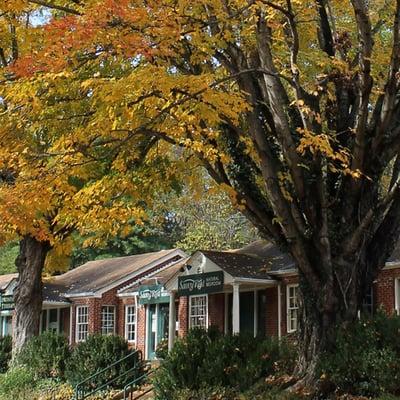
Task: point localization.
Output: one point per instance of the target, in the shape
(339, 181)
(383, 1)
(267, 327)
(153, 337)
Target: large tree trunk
(322, 315)
(28, 293)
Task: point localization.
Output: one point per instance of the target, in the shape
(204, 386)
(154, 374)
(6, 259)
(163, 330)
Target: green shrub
(15, 380)
(366, 359)
(162, 349)
(220, 361)
(45, 355)
(5, 352)
(97, 353)
(260, 391)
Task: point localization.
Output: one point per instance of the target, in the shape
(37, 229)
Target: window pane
(107, 320)
(130, 323)
(198, 312)
(81, 323)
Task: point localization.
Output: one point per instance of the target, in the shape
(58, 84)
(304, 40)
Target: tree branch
(364, 81)
(325, 37)
(391, 85)
(46, 4)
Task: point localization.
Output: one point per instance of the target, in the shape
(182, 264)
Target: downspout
(279, 311)
(71, 311)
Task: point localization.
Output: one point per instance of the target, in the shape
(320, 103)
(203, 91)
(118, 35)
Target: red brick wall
(95, 304)
(384, 290)
(141, 329)
(271, 320)
(108, 299)
(183, 315)
(216, 310)
(383, 297)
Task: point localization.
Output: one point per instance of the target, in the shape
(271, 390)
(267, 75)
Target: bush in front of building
(45, 355)
(260, 391)
(212, 359)
(5, 352)
(366, 358)
(97, 353)
(16, 380)
(162, 349)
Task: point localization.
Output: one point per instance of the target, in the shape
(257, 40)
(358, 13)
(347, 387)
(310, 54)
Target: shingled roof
(5, 280)
(238, 265)
(54, 292)
(96, 275)
(274, 259)
(159, 277)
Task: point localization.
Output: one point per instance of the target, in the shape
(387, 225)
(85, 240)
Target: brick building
(158, 296)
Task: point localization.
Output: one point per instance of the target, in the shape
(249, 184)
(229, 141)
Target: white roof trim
(291, 271)
(392, 265)
(254, 280)
(75, 295)
(128, 294)
(98, 293)
(49, 303)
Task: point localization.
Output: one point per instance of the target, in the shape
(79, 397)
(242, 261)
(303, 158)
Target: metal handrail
(81, 394)
(132, 384)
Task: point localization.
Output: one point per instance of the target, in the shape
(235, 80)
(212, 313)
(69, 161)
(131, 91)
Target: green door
(157, 327)
(151, 330)
(163, 316)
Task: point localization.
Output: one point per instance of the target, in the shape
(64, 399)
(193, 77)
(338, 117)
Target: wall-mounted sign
(209, 282)
(153, 294)
(6, 302)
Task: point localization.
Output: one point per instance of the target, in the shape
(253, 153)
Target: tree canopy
(290, 105)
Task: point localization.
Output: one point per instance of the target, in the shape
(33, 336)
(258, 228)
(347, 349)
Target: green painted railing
(88, 387)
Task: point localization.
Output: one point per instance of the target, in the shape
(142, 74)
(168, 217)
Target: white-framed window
(82, 323)
(397, 295)
(130, 323)
(107, 320)
(198, 311)
(292, 307)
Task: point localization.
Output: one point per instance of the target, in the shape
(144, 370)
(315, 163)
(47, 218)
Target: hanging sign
(153, 294)
(209, 282)
(6, 302)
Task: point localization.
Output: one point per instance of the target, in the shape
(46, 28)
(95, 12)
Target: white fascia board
(288, 272)
(271, 282)
(128, 294)
(78, 295)
(392, 265)
(56, 304)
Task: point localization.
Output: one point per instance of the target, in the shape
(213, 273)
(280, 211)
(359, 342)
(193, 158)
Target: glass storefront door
(157, 327)
(151, 330)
